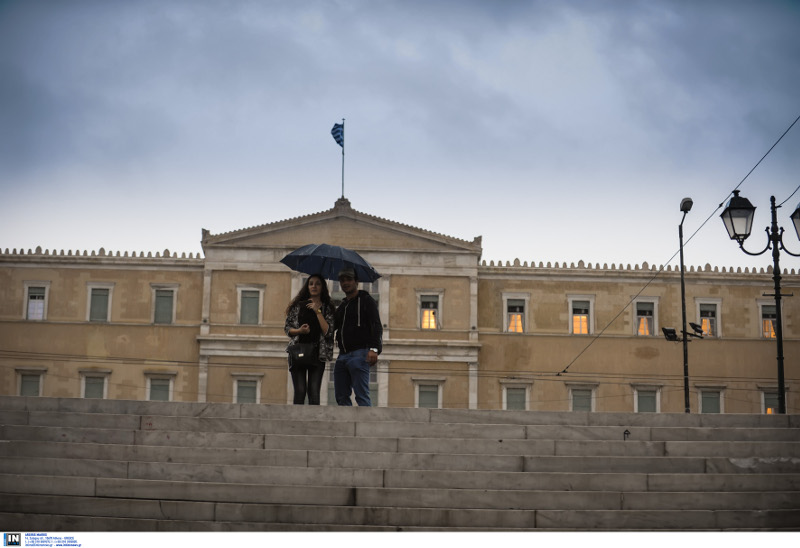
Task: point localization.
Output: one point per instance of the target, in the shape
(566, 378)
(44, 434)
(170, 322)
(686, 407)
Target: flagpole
(343, 159)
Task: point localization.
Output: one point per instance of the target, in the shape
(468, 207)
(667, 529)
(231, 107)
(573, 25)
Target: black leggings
(307, 379)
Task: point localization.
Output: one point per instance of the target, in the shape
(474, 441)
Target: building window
(647, 399)
(708, 312)
(428, 393)
(581, 397)
(645, 318)
(160, 386)
(246, 387)
(99, 306)
(94, 384)
(769, 399)
(36, 294)
(429, 308)
(30, 382)
(164, 297)
(429, 305)
(515, 319)
(768, 319)
(516, 396)
(428, 396)
(711, 400)
(581, 314)
(250, 304)
(246, 391)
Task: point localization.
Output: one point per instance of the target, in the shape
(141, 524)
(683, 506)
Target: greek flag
(338, 134)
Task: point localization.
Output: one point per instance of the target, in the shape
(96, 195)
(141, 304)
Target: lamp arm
(769, 245)
(783, 247)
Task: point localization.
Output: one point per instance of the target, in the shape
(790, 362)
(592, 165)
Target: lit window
(429, 309)
(768, 319)
(708, 319)
(515, 310)
(770, 403)
(580, 317)
(644, 319)
(36, 303)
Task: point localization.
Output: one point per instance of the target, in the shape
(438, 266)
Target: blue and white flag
(338, 134)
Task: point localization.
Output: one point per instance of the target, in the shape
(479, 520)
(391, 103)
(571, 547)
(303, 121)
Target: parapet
(518, 266)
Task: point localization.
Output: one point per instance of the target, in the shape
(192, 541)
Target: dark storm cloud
(499, 103)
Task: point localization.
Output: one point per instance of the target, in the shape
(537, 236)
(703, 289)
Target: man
(358, 334)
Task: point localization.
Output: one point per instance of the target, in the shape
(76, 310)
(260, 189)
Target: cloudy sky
(559, 131)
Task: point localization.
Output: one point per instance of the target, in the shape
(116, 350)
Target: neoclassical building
(458, 332)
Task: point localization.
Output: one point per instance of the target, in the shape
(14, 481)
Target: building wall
(206, 348)
(125, 350)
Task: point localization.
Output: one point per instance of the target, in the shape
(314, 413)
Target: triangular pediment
(344, 226)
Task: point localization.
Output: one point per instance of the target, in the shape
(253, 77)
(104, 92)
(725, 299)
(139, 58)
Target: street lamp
(686, 207)
(738, 219)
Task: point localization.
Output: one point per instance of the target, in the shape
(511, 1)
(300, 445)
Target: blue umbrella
(328, 260)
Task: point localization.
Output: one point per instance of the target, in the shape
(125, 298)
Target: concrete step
(389, 429)
(495, 499)
(129, 465)
(402, 478)
(405, 445)
(360, 414)
(132, 515)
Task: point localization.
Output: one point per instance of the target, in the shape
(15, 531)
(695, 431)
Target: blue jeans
(351, 372)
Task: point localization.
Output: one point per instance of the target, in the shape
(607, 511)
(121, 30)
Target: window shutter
(159, 390)
(249, 307)
(429, 396)
(164, 301)
(246, 391)
(30, 385)
(581, 400)
(93, 387)
(515, 398)
(99, 305)
(647, 401)
(710, 402)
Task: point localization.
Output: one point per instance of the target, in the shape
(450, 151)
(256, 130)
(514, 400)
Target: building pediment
(344, 226)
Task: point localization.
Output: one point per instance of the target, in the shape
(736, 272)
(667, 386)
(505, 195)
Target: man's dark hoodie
(358, 324)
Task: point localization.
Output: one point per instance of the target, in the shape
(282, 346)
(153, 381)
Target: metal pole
(343, 136)
(685, 336)
(775, 237)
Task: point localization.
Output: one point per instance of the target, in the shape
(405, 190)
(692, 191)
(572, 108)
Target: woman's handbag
(304, 354)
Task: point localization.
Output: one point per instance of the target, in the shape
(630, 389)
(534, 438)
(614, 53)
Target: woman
(309, 319)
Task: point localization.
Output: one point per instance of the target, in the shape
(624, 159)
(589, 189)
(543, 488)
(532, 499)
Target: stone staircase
(102, 465)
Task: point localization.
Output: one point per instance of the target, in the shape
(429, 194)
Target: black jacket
(358, 324)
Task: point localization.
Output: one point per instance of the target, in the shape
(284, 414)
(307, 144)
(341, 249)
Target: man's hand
(372, 357)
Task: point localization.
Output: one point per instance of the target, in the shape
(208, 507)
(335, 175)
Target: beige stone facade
(458, 333)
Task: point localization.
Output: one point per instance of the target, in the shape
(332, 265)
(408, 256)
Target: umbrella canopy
(328, 260)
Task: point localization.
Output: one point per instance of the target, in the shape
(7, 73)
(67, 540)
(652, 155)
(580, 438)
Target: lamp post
(738, 219)
(686, 207)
